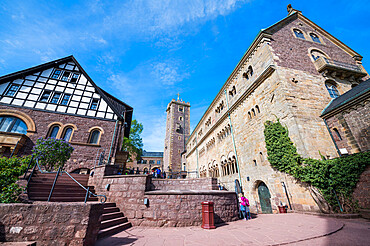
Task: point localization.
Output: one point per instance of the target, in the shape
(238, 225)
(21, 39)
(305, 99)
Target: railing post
(14, 149)
(87, 193)
(29, 178)
(55, 181)
(28, 167)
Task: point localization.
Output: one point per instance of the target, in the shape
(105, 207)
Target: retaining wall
(166, 207)
(50, 223)
(185, 184)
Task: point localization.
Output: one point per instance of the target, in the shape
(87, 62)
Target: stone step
(113, 222)
(109, 204)
(57, 194)
(111, 216)
(110, 210)
(59, 181)
(57, 185)
(64, 199)
(52, 176)
(58, 189)
(113, 230)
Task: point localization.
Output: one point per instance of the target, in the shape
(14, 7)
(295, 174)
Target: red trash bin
(208, 220)
(282, 209)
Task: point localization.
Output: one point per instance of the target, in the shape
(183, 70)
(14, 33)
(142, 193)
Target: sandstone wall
(352, 124)
(293, 52)
(182, 208)
(362, 190)
(165, 208)
(50, 223)
(185, 184)
(84, 154)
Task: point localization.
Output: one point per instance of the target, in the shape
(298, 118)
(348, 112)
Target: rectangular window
(75, 77)
(65, 76)
(12, 90)
(151, 162)
(94, 104)
(158, 162)
(56, 74)
(144, 161)
(180, 109)
(45, 96)
(65, 99)
(55, 97)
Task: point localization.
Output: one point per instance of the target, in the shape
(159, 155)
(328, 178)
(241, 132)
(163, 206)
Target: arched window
(94, 137)
(12, 124)
(249, 115)
(332, 89)
(250, 71)
(254, 113)
(315, 38)
(299, 33)
(255, 162)
(337, 133)
(317, 54)
(261, 157)
(53, 132)
(258, 109)
(67, 134)
(245, 75)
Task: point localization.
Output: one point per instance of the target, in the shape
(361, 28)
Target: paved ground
(267, 229)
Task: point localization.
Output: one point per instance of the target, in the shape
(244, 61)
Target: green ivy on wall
(335, 178)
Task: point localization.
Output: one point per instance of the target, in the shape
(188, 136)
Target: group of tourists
(244, 207)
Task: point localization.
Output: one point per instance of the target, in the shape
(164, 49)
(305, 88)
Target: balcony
(14, 141)
(337, 68)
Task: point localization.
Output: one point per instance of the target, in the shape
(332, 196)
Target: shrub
(10, 170)
(335, 178)
(52, 153)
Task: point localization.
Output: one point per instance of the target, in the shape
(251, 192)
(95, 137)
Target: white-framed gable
(62, 89)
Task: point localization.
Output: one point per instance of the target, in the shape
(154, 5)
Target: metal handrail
(11, 155)
(55, 181)
(28, 167)
(103, 198)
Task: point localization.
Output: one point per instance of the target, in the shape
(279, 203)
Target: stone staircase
(65, 190)
(112, 221)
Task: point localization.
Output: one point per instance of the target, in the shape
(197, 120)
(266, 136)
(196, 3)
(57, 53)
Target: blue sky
(146, 51)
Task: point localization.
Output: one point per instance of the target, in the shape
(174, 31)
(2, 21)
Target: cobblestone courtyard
(265, 229)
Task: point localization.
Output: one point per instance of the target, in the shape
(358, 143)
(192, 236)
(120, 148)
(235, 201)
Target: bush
(52, 153)
(10, 170)
(335, 178)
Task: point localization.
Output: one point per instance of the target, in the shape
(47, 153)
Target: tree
(134, 144)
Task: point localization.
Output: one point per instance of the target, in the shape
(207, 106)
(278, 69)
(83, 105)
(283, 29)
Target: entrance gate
(264, 195)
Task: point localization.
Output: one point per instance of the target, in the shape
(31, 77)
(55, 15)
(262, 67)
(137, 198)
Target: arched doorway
(264, 195)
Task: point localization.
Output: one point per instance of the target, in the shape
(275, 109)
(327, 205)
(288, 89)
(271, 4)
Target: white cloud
(168, 72)
(165, 16)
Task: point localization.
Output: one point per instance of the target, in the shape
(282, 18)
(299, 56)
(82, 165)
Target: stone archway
(264, 196)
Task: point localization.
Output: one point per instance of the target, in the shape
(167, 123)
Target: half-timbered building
(58, 99)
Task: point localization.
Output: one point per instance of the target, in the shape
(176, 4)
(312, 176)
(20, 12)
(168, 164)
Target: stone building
(177, 133)
(291, 71)
(348, 120)
(148, 162)
(58, 99)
